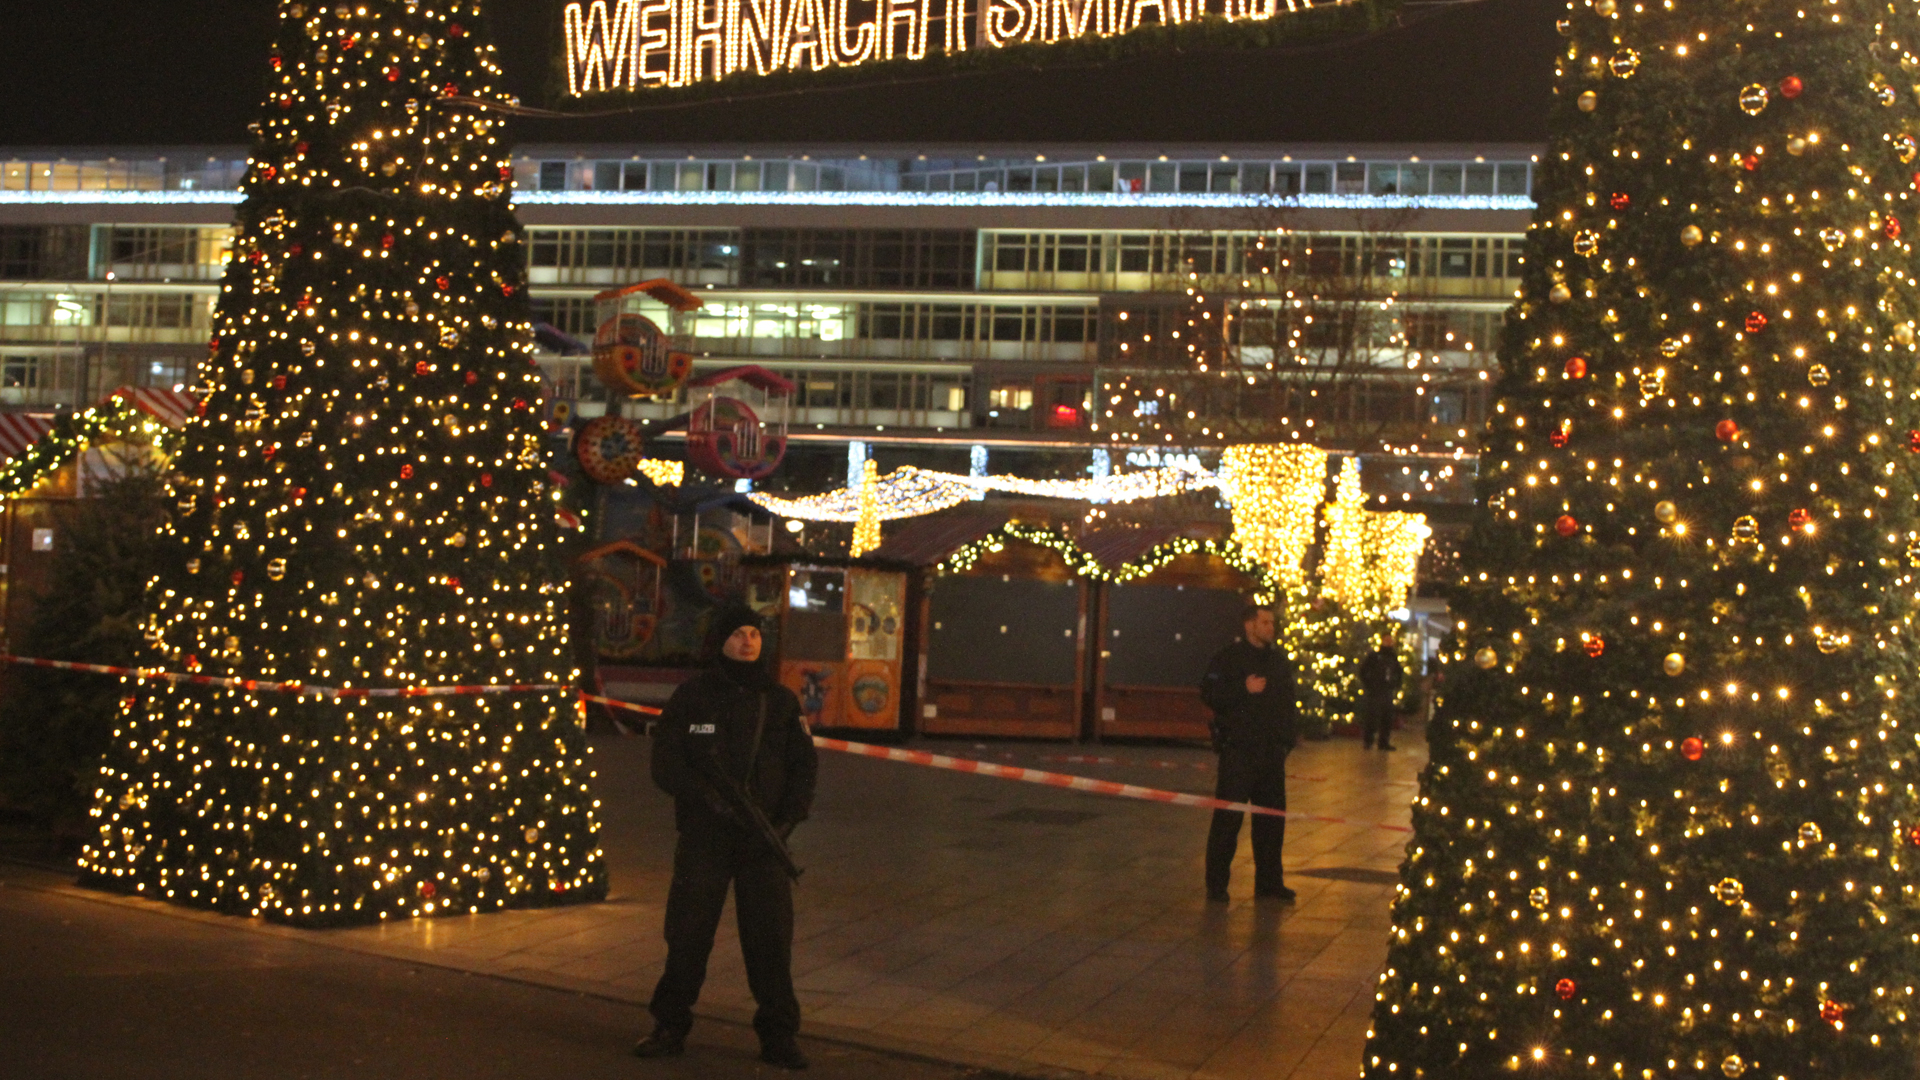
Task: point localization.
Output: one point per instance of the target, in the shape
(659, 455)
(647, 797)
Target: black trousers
(1376, 718)
(1260, 779)
(703, 867)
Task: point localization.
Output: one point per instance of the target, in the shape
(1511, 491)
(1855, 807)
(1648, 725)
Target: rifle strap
(759, 731)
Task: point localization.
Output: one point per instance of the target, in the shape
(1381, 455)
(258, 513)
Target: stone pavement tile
(1000, 1033)
(1136, 1068)
(844, 976)
(850, 1016)
(943, 1012)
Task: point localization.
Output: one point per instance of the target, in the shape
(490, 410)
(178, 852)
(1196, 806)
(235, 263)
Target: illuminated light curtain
(1273, 490)
(866, 530)
(363, 502)
(1343, 563)
(663, 473)
(1391, 542)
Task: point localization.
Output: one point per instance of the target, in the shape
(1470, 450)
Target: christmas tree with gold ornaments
(362, 505)
(1669, 825)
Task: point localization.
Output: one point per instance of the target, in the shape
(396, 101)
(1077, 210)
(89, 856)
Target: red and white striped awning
(20, 430)
(170, 407)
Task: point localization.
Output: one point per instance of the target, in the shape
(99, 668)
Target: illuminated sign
(634, 44)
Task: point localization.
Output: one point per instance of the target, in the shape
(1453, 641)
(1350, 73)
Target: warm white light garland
(910, 492)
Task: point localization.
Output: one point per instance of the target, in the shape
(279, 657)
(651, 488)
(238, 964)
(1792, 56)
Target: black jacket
(711, 719)
(1252, 723)
(1380, 672)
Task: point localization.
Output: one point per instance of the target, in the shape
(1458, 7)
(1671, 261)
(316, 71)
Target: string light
(663, 473)
(910, 492)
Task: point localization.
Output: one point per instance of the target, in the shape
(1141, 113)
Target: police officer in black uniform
(736, 719)
(1250, 688)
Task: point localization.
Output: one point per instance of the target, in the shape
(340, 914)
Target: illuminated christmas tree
(1668, 824)
(363, 503)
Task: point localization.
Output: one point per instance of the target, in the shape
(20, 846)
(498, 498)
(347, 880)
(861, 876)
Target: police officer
(1380, 677)
(733, 718)
(1250, 688)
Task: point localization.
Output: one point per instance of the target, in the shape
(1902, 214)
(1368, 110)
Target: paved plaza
(1000, 924)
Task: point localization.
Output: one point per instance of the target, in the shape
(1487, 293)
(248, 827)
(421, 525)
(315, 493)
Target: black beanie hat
(729, 618)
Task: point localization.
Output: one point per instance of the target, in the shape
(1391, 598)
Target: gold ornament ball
(1903, 333)
(496, 641)
(1833, 238)
(1796, 146)
(1586, 242)
(1539, 898)
(1604, 8)
(1652, 383)
(277, 569)
(1664, 511)
(1588, 101)
(1674, 664)
(1691, 235)
(1810, 833)
(1729, 891)
(1486, 658)
(1818, 375)
(1733, 1065)
(1746, 528)
(1753, 99)
(1560, 294)
(1624, 63)
(532, 834)
(1670, 347)
(1913, 551)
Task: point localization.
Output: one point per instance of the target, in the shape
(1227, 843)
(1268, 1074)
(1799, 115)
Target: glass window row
(112, 174)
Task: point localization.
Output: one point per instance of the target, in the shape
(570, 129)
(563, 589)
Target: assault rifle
(751, 815)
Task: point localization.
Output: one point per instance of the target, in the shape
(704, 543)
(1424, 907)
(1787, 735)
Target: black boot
(783, 1051)
(662, 1043)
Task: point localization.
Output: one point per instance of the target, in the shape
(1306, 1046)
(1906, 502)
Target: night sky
(146, 72)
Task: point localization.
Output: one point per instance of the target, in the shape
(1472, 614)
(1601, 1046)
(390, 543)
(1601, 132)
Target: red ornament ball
(1576, 367)
(386, 241)
(1832, 1012)
(269, 451)
(456, 30)
(1726, 430)
(453, 583)
(1595, 646)
(1791, 86)
(428, 889)
(1913, 836)
(393, 74)
(472, 378)
(1558, 437)
(1913, 441)
(1891, 228)
(1692, 748)
(1798, 518)
(1750, 162)
(1566, 989)
(300, 147)
(444, 282)
(486, 479)
(279, 382)
(421, 367)
(1566, 525)
(1620, 200)
(1756, 321)
(406, 472)
(239, 576)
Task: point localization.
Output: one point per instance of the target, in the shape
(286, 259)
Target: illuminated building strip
(1093, 200)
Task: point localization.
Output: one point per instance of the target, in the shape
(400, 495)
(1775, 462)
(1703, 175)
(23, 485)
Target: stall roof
(923, 541)
(1113, 548)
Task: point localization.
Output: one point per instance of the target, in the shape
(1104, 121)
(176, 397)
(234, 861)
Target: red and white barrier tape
(885, 753)
(287, 687)
(1040, 776)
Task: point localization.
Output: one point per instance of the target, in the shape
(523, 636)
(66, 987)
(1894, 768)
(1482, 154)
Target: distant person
(1250, 688)
(731, 726)
(1380, 676)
